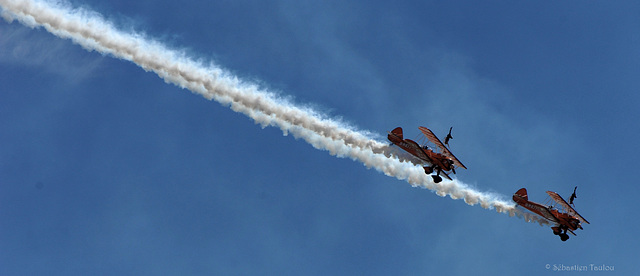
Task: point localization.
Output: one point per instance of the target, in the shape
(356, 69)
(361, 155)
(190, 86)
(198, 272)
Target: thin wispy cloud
(24, 48)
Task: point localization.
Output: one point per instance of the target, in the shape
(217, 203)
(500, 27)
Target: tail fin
(398, 132)
(522, 193)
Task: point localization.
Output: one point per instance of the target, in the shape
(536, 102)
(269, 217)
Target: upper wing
(557, 198)
(434, 139)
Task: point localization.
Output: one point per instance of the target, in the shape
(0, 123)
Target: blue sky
(107, 170)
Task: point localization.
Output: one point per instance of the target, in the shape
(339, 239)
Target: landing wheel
(428, 170)
(436, 178)
(564, 236)
(556, 230)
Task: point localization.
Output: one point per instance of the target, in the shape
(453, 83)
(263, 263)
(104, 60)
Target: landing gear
(428, 170)
(558, 231)
(436, 177)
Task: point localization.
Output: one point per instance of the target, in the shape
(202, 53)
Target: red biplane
(440, 162)
(566, 220)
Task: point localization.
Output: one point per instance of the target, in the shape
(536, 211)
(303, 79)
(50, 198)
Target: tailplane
(522, 193)
(398, 132)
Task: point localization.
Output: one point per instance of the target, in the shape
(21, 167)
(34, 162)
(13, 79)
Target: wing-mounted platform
(434, 139)
(567, 208)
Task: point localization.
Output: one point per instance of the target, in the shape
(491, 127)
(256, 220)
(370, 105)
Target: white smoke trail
(93, 33)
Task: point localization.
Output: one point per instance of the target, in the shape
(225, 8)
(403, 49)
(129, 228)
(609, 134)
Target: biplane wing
(557, 198)
(434, 139)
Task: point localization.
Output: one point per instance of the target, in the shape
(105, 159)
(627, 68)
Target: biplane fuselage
(439, 162)
(564, 221)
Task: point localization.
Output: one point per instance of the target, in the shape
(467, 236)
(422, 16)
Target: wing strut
(555, 196)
